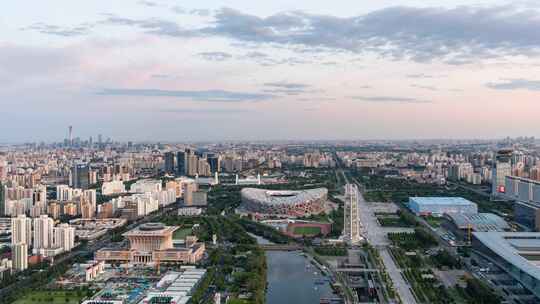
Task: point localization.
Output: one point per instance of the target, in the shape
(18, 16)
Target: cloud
(161, 76)
(288, 88)
(424, 87)
(148, 3)
(215, 56)
(515, 84)
(151, 26)
(322, 99)
(454, 36)
(207, 95)
(56, 30)
(200, 12)
(195, 12)
(256, 55)
(285, 91)
(286, 85)
(204, 111)
(390, 99)
(420, 76)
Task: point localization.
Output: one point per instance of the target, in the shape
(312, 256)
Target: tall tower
(70, 135)
(351, 224)
(2, 200)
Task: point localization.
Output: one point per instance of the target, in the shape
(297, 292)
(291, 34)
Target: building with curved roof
(285, 203)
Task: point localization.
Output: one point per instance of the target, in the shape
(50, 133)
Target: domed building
(283, 203)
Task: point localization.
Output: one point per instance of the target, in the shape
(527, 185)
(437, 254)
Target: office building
(20, 256)
(181, 163)
(21, 230)
(351, 224)
(439, 206)
(522, 189)
(502, 168)
(214, 162)
(526, 193)
(80, 176)
(192, 164)
(169, 162)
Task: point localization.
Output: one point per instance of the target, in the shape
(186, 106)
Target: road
(377, 236)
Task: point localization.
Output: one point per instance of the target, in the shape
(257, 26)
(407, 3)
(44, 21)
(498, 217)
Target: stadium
(283, 202)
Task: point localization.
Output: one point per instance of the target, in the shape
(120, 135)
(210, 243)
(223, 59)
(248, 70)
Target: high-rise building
(181, 163)
(90, 197)
(534, 173)
(21, 230)
(64, 237)
(502, 168)
(53, 209)
(80, 176)
(43, 232)
(351, 224)
(87, 211)
(20, 256)
(192, 164)
(169, 162)
(203, 168)
(188, 187)
(2, 199)
(214, 162)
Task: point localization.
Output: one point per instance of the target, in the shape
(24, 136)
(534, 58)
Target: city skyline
(206, 71)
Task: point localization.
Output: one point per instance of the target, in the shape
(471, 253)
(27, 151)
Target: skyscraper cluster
(191, 163)
(40, 233)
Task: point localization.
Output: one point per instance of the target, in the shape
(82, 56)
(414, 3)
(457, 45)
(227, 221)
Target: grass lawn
(307, 230)
(181, 234)
(434, 222)
(51, 297)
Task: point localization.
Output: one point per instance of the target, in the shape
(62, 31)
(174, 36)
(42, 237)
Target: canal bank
(293, 278)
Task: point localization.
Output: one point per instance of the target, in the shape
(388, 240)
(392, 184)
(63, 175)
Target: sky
(164, 70)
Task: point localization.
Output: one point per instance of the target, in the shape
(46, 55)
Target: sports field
(181, 234)
(307, 230)
(51, 297)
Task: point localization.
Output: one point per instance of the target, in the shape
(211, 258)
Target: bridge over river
(280, 247)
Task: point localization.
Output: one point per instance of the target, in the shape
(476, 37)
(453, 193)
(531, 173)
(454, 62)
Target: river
(293, 279)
